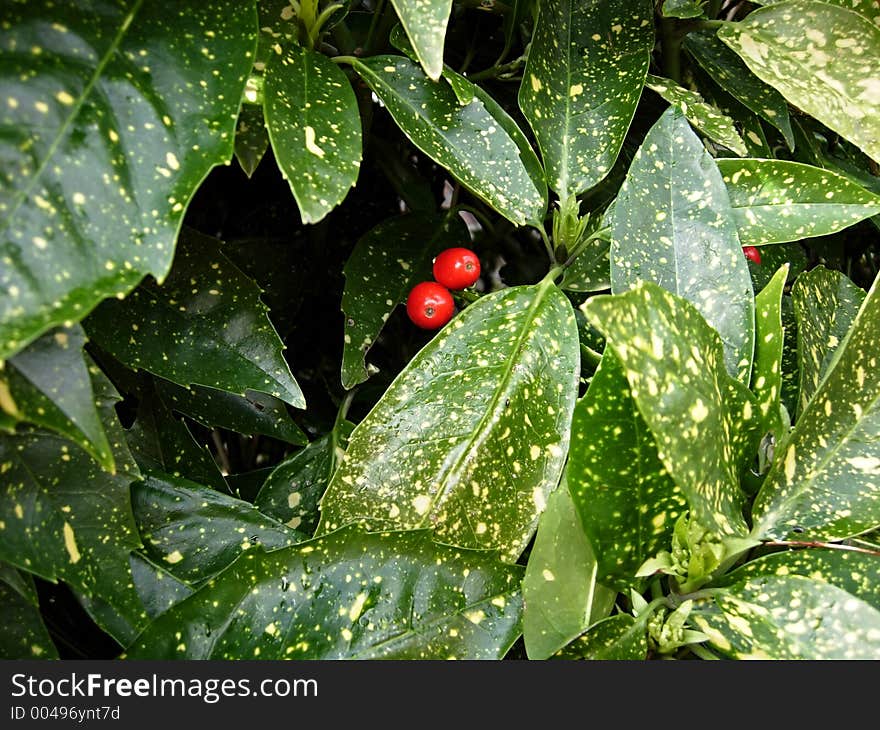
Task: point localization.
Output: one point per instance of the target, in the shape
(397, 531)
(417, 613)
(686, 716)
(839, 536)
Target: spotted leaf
(776, 200)
(467, 140)
(24, 633)
(471, 437)
(194, 532)
(561, 595)
(204, 325)
(591, 270)
(583, 78)
(706, 118)
(425, 24)
(674, 364)
(157, 588)
(618, 637)
(869, 9)
(731, 74)
(315, 128)
(384, 266)
(683, 9)
(627, 501)
(293, 490)
(672, 225)
(348, 595)
(767, 373)
(251, 138)
(788, 617)
(825, 303)
(102, 149)
(48, 384)
(823, 59)
(824, 483)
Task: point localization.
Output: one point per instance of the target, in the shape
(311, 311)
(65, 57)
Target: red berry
(430, 305)
(457, 268)
(752, 254)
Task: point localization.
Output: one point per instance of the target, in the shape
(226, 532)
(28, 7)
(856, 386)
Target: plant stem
(590, 355)
(549, 246)
(671, 48)
(713, 8)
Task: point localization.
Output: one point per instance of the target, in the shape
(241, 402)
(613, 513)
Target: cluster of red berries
(430, 304)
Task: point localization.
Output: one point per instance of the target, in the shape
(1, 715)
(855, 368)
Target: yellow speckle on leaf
(70, 543)
(310, 143)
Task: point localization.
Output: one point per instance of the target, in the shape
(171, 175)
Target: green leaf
(292, 492)
(251, 138)
(561, 596)
(674, 364)
(776, 200)
(425, 24)
(313, 122)
(112, 118)
(383, 267)
(348, 595)
(790, 369)
(706, 118)
(825, 303)
(823, 59)
(728, 71)
(824, 483)
(468, 141)
(767, 373)
(591, 270)
(194, 532)
(788, 617)
(683, 9)
(157, 588)
(772, 257)
(672, 225)
(205, 325)
(471, 437)
(869, 9)
(24, 633)
(48, 384)
(627, 501)
(581, 85)
(618, 637)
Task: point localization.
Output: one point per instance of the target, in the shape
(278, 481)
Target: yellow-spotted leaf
(251, 138)
(582, 82)
(24, 633)
(822, 58)
(775, 201)
(315, 128)
(619, 638)
(425, 24)
(113, 114)
(471, 437)
(347, 595)
(673, 225)
(769, 341)
(627, 501)
(674, 363)
(825, 483)
(869, 9)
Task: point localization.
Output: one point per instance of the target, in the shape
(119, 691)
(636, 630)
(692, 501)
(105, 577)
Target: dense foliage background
(221, 436)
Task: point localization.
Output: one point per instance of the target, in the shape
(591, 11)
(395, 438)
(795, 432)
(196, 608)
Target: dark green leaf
(383, 267)
(112, 118)
(790, 370)
(251, 138)
(683, 8)
(205, 325)
(561, 597)
(24, 635)
(425, 24)
(774, 256)
(471, 437)
(672, 225)
(157, 588)
(591, 270)
(581, 85)
(468, 141)
(348, 595)
(615, 638)
(767, 373)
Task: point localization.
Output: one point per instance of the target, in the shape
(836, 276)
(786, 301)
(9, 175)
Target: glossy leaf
(581, 85)
(777, 200)
(727, 69)
(103, 149)
(773, 256)
(293, 490)
(789, 617)
(48, 384)
(425, 24)
(618, 637)
(471, 437)
(672, 225)
(769, 342)
(867, 8)
(24, 633)
(790, 370)
(706, 118)
(823, 59)
(468, 141)
(561, 596)
(194, 532)
(205, 325)
(674, 364)
(251, 138)
(825, 303)
(591, 270)
(315, 129)
(683, 8)
(380, 272)
(157, 588)
(347, 595)
(824, 483)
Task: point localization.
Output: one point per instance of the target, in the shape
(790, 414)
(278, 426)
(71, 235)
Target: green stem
(590, 355)
(320, 22)
(581, 245)
(713, 8)
(308, 12)
(671, 48)
(549, 246)
(350, 60)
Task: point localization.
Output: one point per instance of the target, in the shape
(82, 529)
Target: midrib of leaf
(25, 191)
(448, 478)
(566, 138)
